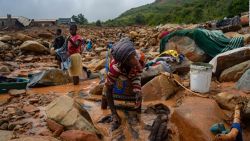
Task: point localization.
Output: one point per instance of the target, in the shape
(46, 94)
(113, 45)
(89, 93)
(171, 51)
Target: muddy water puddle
(126, 132)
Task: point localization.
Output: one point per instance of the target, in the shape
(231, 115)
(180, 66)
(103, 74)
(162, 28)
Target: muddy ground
(31, 118)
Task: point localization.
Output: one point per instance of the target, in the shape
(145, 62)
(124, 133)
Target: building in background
(10, 22)
(64, 21)
(43, 22)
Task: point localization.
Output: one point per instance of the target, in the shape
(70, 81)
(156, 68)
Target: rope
(179, 83)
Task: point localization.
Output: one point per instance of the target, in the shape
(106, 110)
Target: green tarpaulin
(211, 42)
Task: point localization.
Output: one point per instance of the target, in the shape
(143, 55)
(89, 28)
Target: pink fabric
(163, 34)
(71, 49)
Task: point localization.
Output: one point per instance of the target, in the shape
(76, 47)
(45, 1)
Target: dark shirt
(58, 42)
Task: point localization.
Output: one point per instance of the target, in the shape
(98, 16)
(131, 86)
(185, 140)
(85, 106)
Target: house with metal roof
(10, 22)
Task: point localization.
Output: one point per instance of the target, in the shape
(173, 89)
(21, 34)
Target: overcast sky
(92, 9)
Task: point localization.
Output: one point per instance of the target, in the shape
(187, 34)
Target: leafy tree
(75, 18)
(80, 19)
(98, 23)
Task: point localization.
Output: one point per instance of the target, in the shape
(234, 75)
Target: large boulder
(97, 90)
(50, 77)
(4, 69)
(246, 111)
(244, 82)
(228, 101)
(21, 37)
(194, 117)
(5, 135)
(161, 87)
(5, 38)
(33, 46)
(77, 135)
(234, 73)
(35, 138)
(45, 35)
(3, 46)
(230, 58)
(66, 112)
(186, 46)
(151, 72)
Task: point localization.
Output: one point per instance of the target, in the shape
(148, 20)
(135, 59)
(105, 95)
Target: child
(74, 50)
(58, 43)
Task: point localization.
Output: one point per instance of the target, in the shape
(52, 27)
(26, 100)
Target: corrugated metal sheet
(44, 20)
(24, 21)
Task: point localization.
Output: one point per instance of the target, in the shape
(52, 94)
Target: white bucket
(200, 77)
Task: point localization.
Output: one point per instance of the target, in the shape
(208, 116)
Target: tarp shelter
(211, 42)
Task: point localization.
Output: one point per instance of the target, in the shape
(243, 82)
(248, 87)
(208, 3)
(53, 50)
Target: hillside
(180, 11)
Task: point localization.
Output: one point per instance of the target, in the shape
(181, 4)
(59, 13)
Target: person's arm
(75, 44)
(136, 83)
(110, 99)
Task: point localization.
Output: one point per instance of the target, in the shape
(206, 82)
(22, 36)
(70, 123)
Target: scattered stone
(100, 49)
(4, 69)
(5, 135)
(33, 100)
(19, 112)
(193, 121)
(35, 138)
(161, 87)
(100, 65)
(11, 126)
(30, 109)
(4, 126)
(21, 37)
(56, 128)
(78, 135)
(234, 73)
(15, 92)
(244, 82)
(228, 101)
(45, 35)
(17, 127)
(50, 77)
(33, 46)
(5, 38)
(63, 111)
(97, 90)
(246, 111)
(11, 110)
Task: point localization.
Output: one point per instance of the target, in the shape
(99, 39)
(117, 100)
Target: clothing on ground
(211, 42)
(75, 68)
(71, 48)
